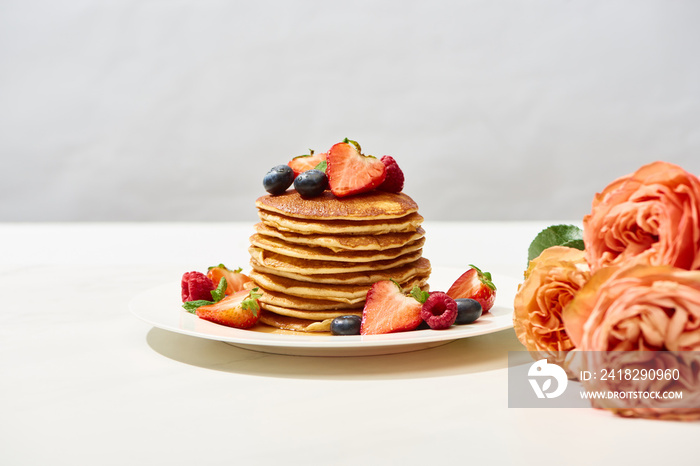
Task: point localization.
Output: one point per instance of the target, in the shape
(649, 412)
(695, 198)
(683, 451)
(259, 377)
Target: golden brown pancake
(309, 315)
(373, 205)
(314, 253)
(400, 274)
(305, 304)
(305, 266)
(350, 294)
(409, 223)
(343, 242)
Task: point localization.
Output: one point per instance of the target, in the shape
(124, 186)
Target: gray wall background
(495, 110)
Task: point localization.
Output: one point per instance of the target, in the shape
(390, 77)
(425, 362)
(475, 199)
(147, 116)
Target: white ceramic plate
(162, 308)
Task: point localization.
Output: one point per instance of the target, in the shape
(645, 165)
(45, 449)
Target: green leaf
(398, 285)
(322, 165)
(556, 235)
(220, 292)
(419, 295)
(251, 303)
(310, 154)
(192, 306)
(354, 143)
(484, 277)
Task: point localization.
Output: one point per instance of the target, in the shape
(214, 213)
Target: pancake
(315, 253)
(344, 242)
(400, 274)
(305, 266)
(409, 223)
(305, 304)
(309, 315)
(373, 205)
(350, 294)
(294, 323)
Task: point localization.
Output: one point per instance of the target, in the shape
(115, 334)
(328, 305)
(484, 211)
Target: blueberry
(278, 179)
(468, 310)
(311, 183)
(346, 325)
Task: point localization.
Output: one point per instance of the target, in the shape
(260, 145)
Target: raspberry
(439, 311)
(196, 286)
(393, 182)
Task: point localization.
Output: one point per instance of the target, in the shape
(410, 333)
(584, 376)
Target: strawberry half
(306, 162)
(234, 278)
(351, 172)
(389, 310)
(474, 284)
(239, 310)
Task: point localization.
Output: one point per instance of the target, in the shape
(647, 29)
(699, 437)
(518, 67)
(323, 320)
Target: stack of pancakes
(315, 259)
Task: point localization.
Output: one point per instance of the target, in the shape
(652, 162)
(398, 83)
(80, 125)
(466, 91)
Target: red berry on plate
(439, 311)
(477, 285)
(196, 286)
(307, 162)
(393, 182)
(350, 172)
(239, 310)
(234, 278)
(389, 310)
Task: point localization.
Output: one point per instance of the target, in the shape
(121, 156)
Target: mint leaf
(322, 165)
(192, 306)
(556, 235)
(220, 291)
(419, 295)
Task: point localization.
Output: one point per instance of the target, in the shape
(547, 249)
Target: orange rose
(551, 281)
(636, 308)
(622, 311)
(649, 217)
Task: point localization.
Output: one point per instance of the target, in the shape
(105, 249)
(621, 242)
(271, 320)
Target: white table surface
(83, 381)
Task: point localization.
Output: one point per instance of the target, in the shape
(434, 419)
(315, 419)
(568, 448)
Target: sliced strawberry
(389, 310)
(196, 286)
(234, 278)
(239, 310)
(350, 172)
(474, 284)
(304, 163)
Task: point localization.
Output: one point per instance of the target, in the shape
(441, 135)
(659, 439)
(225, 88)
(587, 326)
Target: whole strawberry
(239, 310)
(196, 286)
(474, 284)
(389, 310)
(393, 183)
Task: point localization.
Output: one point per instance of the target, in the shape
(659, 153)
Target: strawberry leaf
(354, 143)
(310, 154)
(251, 302)
(419, 295)
(322, 165)
(398, 285)
(222, 266)
(484, 277)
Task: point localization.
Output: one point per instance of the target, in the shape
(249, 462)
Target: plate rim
(320, 342)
